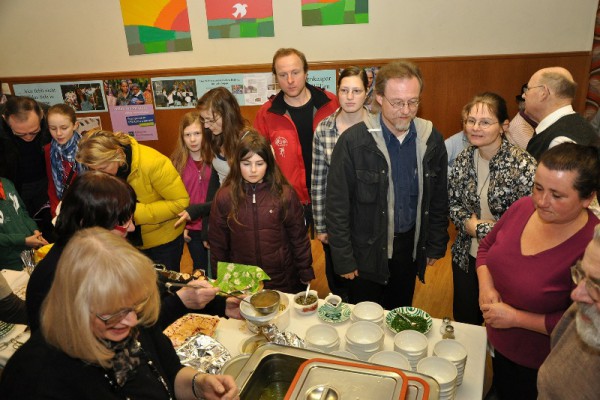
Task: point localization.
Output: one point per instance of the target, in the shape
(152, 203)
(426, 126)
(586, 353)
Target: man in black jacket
(387, 197)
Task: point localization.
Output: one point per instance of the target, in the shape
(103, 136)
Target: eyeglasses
(483, 124)
(209, 121)
(346, 92)
(577, 274)
(399, 105)
(111, 320)
(527, 88)
(124, 228)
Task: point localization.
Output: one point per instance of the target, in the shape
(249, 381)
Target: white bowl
(324, 337)
(451, 350)
(368, 311)
(364, 334)
(410, 342)
(391, 359)
(307, 309)
(281, 317)
(442, 370)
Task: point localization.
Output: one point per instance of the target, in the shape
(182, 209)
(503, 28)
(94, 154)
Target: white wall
(42, 37)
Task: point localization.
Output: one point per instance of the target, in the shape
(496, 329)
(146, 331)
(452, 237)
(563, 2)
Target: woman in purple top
(523, 265)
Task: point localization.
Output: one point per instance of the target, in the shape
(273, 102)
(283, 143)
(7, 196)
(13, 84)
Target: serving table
(232, 333)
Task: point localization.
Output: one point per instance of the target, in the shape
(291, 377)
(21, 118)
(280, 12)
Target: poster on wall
(128, 92)
(83, 97)
(334, 12)
(323, 78)
(136, 121)
(156, 26)
(175, 92)
(239, 19)
(88, 123)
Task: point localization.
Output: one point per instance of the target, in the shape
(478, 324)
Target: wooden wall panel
(450, 82)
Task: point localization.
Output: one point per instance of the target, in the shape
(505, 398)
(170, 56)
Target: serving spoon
(406, 319)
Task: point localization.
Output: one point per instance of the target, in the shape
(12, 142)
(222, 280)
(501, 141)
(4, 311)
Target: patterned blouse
(512, 171)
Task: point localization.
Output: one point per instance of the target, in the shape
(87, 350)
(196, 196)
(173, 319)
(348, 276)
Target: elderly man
(571, 369)
(23, 134)
(387, 200)
(548, 97)
(289, 119)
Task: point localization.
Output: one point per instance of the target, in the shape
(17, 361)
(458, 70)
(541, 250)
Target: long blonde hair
(98, 272)
(98, 147)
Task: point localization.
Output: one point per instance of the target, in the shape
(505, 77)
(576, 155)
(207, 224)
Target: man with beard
(571, 369)
(387, 199)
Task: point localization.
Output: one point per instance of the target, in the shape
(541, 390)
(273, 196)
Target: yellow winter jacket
(160, 193)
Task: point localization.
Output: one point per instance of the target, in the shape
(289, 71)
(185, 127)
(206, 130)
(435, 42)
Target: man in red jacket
(288, 120)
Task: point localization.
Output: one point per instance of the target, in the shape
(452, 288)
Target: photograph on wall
(334, 12)
(128, 92)
(83, 97)
(175, 92)
(156, 26)
(239, 19)
(88, 123)
(137, 121)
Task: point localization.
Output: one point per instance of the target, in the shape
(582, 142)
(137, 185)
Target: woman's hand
(36, 240)
(471, 225)
(488, 296)
(184, 217)
(350, 275)
(197, 299)
(499, 315)
(186, 235)
(216, 387)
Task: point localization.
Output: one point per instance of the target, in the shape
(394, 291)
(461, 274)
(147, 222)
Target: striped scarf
(58, 154)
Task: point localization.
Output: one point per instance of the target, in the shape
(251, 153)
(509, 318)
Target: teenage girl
(61, 166)
(194, 166)
(257, 219)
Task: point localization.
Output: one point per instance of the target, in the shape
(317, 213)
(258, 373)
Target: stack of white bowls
(443, 371)
(391, 359)
(454, 352)
(322, 337)
(367, 311)
(412, 345)
(364, 339)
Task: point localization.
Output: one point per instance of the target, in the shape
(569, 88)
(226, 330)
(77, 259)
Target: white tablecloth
(231, 333)
(18, 282)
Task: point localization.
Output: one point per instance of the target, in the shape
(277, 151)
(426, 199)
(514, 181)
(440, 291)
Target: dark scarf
(128, 357)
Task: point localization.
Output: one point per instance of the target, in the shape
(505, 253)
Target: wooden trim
(449, 83)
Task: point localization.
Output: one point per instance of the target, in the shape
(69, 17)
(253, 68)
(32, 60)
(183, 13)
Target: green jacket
(15, 226)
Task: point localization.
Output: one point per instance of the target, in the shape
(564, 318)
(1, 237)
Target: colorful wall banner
(334, 12)
(239, 18)
(136, 121)
(159, 26)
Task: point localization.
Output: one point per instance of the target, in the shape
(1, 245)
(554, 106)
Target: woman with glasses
(486, 178)
(523, 265)
(99, 338)
(352, 94)
(160, 192)
(223, 125)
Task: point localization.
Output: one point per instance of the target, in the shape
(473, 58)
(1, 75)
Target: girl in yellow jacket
(160, 192)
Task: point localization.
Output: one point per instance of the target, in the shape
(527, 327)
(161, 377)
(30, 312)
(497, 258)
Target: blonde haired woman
(98, 339)
(160, 192)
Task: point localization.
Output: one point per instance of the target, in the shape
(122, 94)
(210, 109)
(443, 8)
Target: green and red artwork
(239, 18)
(158, 26)
(334, 12)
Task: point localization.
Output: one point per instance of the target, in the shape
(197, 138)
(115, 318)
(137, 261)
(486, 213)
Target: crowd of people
(358, 170)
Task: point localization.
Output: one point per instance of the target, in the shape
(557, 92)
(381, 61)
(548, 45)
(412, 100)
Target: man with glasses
(571, 369)
(23, 133)
(289, 119)
(387, 199)
(548, 97)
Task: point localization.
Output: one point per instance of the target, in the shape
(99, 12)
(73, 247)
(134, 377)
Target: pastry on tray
(190, 325)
